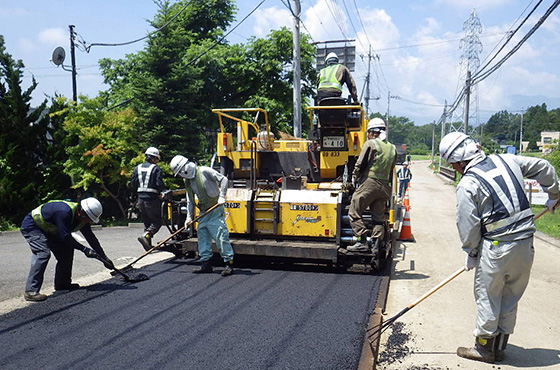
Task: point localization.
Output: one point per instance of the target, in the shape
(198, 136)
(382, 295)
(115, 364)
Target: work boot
(205, 268)
(500, 344)
(229, 269)
(34, 296)
(483, 350)
(146, 241)
(360, 245)
(71, 286)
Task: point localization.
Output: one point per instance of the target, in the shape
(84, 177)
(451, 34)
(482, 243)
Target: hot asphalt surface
(271, 317)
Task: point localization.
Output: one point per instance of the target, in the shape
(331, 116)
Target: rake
(377, 330)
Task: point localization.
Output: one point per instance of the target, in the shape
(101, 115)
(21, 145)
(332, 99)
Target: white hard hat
(153, 152)
(376, 124)
(457, 146)
(93, 209)
(331, 58)
(178, 164)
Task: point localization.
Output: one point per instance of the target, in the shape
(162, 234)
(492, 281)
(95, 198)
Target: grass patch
(548, 224)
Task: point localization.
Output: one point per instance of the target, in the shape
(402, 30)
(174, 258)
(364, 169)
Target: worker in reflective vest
(48, 228)
(148, 183)
(496, 228)
(404, 176)
(333, 77)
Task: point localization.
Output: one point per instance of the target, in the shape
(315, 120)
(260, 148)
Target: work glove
(354, 181)
(221, 201)
(90, 253)
(551, 204)
(188, 222)
(165, 195)
(470, 262)
(109, 265)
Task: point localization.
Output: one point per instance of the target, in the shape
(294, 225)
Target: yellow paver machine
(289, 198)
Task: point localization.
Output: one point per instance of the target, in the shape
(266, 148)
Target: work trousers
(213, 227)
(403, 185)
(41, 248)
(150, 210)
(372, 193)
(501, 276)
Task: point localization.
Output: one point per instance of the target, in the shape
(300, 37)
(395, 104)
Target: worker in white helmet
(147, 181)
(48, 228)
(209, 187)
(496, 229)
(404, 176)
(333, 77)
(372, 178)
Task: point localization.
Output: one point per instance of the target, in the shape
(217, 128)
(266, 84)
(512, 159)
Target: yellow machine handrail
(241, 122)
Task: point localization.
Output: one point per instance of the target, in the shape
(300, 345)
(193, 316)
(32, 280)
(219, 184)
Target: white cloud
(54, 36)
(12, 12)
(271, 19)
(26, 45)
(473, 4)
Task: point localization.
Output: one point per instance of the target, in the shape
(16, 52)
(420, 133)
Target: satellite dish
(58, 56)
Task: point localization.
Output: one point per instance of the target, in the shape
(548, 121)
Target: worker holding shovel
(209, 187)
(496, 228)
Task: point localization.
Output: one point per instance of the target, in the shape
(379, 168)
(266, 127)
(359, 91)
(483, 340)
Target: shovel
(130, 278)
(171, 236)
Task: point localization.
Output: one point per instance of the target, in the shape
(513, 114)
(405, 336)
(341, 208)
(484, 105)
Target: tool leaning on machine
(169, 237)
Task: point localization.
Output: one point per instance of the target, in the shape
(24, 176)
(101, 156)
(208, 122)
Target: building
(549, 140)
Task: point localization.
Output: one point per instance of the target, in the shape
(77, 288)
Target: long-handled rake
(171, 236)
(377, 330)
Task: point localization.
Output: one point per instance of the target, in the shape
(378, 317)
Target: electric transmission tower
(466, 112)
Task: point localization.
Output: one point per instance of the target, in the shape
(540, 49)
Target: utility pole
(297, 71)
(389, 96)
(442, 128)
(521, 134)
(73, 58)
(433, 141)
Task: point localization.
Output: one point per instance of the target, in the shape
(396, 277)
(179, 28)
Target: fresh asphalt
(264, 316)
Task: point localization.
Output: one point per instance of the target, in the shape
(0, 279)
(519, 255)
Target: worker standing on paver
(496, 228)
(372, 178)
(210, 188)
(332, 77)
(48, 228)
(147, 181)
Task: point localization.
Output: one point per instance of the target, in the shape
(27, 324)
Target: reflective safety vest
(49, 228)
(144, 174)
(204, 201)
(327, 78)
(403, 174)
(510, 206)
(384, 159)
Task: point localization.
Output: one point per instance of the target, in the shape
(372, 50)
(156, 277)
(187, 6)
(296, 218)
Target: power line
(87, 48)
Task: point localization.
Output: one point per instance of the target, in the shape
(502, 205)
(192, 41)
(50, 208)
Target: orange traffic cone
(406, 232)
(406, 202)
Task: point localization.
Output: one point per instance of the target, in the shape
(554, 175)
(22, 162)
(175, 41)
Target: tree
(101, 158)
(22, 141)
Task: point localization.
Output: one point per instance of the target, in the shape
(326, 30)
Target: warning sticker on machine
(304, 207)
(232, 205)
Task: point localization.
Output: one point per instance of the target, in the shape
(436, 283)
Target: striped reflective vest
(204, 200)
(327, 78)
(49, 228)
(144, 174)
(510, 206)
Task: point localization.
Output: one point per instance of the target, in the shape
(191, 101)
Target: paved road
(273, 317)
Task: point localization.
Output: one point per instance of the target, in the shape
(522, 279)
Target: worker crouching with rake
(210, 188)
(496, 228)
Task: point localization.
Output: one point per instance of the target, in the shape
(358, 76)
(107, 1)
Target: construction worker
(48, 228)
(372, 178)
(210, 188)
(332, 77)
(496, 229)
(147, 181)
(404, 176)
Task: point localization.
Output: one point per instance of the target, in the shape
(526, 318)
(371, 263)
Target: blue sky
(417, 41)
